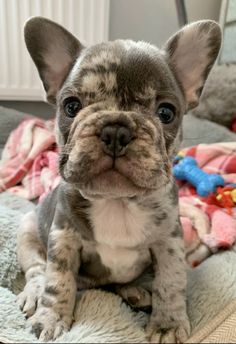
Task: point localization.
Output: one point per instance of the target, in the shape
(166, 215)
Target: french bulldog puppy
(114, 217)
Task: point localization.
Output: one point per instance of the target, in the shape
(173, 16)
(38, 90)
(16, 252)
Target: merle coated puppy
(114, 217)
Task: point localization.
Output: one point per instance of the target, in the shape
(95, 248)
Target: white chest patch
(124, 264)
(119, 223)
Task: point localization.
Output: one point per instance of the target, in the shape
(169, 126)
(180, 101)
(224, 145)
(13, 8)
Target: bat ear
(191, 53)
(53, 49)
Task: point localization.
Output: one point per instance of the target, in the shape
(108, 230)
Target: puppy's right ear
(191, 53)
(54, 50)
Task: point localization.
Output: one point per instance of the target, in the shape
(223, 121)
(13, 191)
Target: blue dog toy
(187, 169)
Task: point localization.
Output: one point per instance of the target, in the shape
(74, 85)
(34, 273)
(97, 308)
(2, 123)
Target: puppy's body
(114, 217)
(115, 235)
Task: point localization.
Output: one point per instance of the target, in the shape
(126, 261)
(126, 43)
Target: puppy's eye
(166, 113)
(72, 106)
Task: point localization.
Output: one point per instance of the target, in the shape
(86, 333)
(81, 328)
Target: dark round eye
(166, 113)
(72, 106)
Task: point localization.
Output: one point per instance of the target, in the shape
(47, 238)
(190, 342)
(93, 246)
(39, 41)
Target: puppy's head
(120, 104)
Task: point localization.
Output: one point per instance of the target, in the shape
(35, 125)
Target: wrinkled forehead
(134, 69)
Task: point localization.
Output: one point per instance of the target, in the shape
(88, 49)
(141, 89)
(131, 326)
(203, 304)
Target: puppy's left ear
(191, 53)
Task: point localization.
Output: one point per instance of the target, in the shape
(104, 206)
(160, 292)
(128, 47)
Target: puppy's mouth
(112, 178)
(112, 171)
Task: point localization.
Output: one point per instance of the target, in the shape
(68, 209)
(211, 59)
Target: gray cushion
(9, 120)
(196, 131)
(218, 101)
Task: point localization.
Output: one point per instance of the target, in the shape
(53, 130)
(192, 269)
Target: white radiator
(19, 80)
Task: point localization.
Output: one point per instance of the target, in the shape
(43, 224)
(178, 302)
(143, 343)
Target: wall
(155, 20)
(228, 51)
(203, 9)
(150, 20)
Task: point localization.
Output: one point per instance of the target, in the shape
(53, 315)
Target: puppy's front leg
(169, 322)
(55, 310)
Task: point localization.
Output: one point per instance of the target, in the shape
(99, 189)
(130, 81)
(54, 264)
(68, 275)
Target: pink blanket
(207, 225)
(29, 160)
(29, 168)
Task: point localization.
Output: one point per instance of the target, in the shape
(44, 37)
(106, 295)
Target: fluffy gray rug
(102, 317)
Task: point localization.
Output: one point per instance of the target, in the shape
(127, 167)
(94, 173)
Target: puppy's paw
(27, 300)
(177, 334)
(136, 297)
(47, 324)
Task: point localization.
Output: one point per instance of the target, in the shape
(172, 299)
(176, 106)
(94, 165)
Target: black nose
(115, 139)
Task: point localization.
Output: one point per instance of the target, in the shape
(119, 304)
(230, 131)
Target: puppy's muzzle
(115, 139)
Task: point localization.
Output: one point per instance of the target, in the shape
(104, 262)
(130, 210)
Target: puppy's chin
(111, 184)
